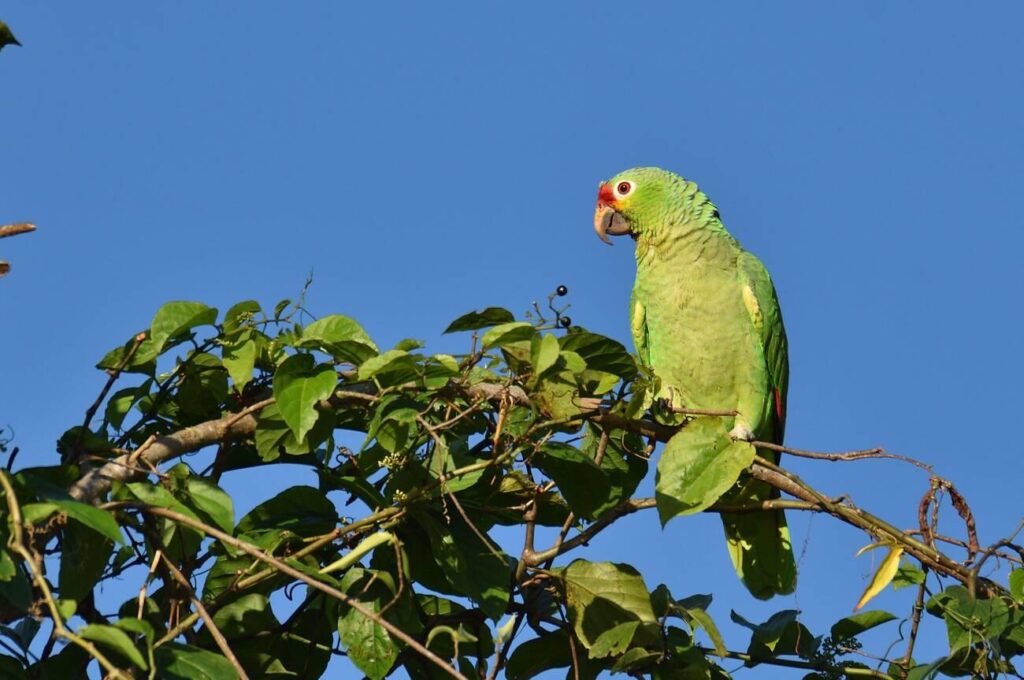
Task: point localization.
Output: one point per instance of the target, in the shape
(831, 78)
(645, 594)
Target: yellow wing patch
(750, 300)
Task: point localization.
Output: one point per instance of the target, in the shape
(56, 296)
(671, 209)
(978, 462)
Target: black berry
(565, 321)
(561, 290)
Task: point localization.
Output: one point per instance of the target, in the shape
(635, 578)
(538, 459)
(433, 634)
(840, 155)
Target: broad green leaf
(601, 597)
(114, 639)
(341, 337)
(1017, 584)
(299, 385)
(614, 640)
(698, 465)
(390, 360)
(882, 577)
(368, 645)
(239, 360)
(82, 560)
(492, 316)
(212, 501)
(969, 620)
(702, 619)
(540, 654)
(927, 671)
(183, 662)
(70, 662)
(142, 361)
(624, 464)
(581, 482)
(95, 518)
(449, 363)
(174, 318)
(299, 509)
(543, 352)
(857, 624)
(136, 627)
(907, 575)
(508, 333)
(239, 314)
(780, 634)
(121, 402)
(7, 567)
(471, 568)
(600, 353)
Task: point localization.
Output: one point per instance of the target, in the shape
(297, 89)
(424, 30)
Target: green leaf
(698, 465)
(114, 639)
(1017, 584)
(341, 337)
(302, 510)
(240, 360)
(212, 501)
(857, 624)
(907, 575)
(7, 567)
(240, 314)
(780, 634)
(584, 485)
(538, 655)
(174, 318)
(969, 620)
(600, 353)
(508, 333)
(601, 598)
(390, 360)
(82, 561)
(471, 568)
(701, 618)
(95, 518)
(121, 402)
(368, 645)
(543, 352)
(298, 386)
(183, 662)
(492, 316)
(6, 37)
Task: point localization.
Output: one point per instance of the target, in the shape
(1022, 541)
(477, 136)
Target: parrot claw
(741, 433)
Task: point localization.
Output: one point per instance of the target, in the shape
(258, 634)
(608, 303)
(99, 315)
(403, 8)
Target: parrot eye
(623, 189)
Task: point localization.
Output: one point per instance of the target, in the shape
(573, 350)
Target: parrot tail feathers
(759, 543)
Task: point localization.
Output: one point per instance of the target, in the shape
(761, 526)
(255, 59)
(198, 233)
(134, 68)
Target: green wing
(759, 543)
(638, 326)
(767, 319)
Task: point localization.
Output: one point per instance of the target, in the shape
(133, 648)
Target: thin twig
(845, 456)
(114, 374)
(309, 581)
(16, 543)
(215, 632)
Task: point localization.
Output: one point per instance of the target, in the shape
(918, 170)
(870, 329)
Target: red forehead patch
(605, 196)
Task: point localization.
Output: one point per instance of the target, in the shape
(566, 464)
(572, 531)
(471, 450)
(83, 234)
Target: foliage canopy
(390, 559)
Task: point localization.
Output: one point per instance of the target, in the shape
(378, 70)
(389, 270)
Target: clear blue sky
(424, 159)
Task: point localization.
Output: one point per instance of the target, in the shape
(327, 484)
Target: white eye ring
(623, 189)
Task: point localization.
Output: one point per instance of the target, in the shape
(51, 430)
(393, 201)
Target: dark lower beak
(608, 221)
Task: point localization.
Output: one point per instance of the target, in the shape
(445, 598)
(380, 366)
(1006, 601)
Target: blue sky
(427, 159)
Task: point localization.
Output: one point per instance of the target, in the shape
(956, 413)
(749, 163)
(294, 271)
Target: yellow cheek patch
(750, 300)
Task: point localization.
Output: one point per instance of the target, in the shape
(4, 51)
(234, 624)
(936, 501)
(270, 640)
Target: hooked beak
(607, 220)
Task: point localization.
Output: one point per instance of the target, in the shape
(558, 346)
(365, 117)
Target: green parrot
(705, 319)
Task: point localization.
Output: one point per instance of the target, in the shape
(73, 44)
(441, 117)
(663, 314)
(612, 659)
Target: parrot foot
(741, 433)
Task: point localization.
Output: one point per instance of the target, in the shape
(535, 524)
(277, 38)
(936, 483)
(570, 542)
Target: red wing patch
(780, 410)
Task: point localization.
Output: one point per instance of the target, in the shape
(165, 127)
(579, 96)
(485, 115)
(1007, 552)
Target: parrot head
(634, 200)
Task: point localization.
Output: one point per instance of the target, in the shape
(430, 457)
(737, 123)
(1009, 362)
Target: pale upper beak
(607, 220)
